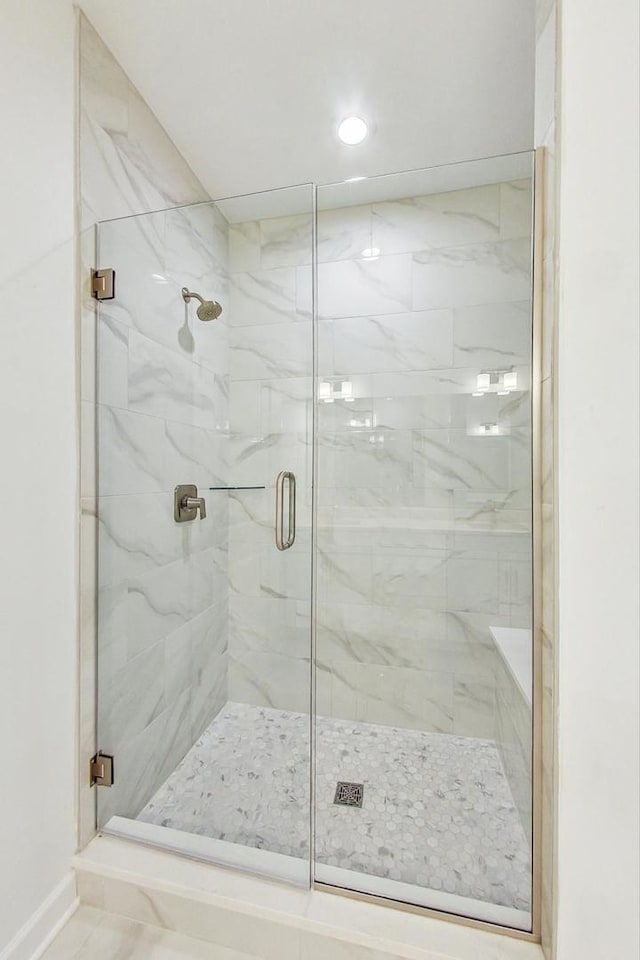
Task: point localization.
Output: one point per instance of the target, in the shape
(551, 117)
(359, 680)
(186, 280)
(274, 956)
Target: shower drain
(349, 794)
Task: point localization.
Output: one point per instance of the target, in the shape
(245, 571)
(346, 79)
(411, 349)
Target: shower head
(208, 309)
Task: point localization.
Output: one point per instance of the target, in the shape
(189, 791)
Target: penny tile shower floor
(437, 809)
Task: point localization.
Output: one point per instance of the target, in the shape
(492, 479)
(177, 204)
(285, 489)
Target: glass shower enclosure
(315, 612)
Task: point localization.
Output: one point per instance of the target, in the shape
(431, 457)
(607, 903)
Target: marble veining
(438, 811)
(405, 609)
(160, 382)
(93, 934)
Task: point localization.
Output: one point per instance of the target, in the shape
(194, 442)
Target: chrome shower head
(208, 309)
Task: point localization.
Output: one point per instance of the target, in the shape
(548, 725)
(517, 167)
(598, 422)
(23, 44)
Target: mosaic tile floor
(437, 809)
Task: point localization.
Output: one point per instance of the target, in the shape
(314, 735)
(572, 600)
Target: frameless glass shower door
(424, 589)
(204, 555)
(369, 422)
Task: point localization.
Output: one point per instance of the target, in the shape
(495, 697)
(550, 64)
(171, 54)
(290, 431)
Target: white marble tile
(139, 533)
(542, 8)
(247, 780)
(286, 241)
(392, 342)
(419, 580)
(269, 624)
(222, 931)
(318, 947)
(270, 680)
(105, 87)
(472, 584)
(418, 383)
(113, 355)
(146, 760)
(263, 297)
(345, 233)
(364, 458)
(245, 408)
(279, 350)
(516, 589)
(132, 453)
(162, 600)
(440, 220)
(248, 459)
(516, 209)
(244, 247)
(70, 941)
(492, 337)
(132, 696)
(380, 634)
(163, 173)
(363, 287)
(163, 384)
(196, 249)
(472, 274)
(94, 935)
(396, 696)
(454, 460)
(345, 578)
(129, 165)
(545, 75)
(474, 707)
(394, 636)
(287, 406)
(288, 573)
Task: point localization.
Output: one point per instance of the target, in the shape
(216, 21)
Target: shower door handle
(281, 543)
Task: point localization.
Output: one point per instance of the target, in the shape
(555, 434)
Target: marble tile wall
(424, 524)
(162, 419)
(514, 739)
(154, 391)
(271, 429)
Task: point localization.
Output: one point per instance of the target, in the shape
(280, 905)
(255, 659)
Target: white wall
(38, 479)
(598, 483)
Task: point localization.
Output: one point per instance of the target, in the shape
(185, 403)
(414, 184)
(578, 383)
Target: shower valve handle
(187, 504)
(195, 503)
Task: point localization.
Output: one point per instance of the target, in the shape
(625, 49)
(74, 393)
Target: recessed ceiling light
(352, 130)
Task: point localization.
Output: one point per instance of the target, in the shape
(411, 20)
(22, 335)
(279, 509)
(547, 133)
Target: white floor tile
(93, 935)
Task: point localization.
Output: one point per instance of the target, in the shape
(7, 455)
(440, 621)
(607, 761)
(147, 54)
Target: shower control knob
(195, 503)
(187, 504)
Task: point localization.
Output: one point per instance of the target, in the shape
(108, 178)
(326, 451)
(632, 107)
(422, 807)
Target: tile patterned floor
(91, 934)
(437, 809)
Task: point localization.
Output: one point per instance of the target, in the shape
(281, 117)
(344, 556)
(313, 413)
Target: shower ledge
(268, 919)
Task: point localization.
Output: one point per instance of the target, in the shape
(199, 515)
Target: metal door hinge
(103, 284)
(101, 770)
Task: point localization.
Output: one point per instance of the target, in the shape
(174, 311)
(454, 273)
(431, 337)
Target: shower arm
(188, 295)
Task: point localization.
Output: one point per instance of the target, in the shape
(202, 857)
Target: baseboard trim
(32, 940)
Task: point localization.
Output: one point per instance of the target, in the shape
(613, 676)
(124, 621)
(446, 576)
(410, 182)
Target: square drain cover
(349, 794)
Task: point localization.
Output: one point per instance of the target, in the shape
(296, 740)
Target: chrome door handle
(187, 504)
(281, 543)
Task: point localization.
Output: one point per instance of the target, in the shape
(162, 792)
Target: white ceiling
(251, 91)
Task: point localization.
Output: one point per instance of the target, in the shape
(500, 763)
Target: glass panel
(424, 599)
(204, 625)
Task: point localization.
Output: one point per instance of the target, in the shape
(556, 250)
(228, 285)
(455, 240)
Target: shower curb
(267, 919)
